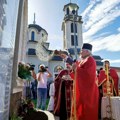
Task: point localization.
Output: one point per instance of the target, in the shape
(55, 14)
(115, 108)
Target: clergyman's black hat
(87, 46)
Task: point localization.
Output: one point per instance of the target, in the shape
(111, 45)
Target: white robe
(51, 94)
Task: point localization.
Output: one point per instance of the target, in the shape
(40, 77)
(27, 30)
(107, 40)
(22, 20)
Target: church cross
(34, 19)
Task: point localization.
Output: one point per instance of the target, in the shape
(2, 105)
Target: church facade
(72, 41)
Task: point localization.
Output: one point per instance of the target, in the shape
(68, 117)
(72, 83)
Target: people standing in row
(85, 102)
(42, 78)
(52, 91)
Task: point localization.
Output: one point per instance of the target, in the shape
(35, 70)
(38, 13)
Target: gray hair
(89, 51)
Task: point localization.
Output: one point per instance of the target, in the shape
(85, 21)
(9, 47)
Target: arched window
(67, 11)
(31, 51)
(76, 40)
(33, 35)
(73, 41)
(72, 28)
(75, 28)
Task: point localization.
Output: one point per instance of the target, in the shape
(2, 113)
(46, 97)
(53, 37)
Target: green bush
(23, 71)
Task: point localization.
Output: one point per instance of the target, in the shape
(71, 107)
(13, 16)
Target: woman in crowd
(42, 77)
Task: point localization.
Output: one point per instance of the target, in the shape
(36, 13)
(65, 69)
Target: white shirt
(42, 83)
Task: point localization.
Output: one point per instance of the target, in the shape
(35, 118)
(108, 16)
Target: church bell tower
(72, 30)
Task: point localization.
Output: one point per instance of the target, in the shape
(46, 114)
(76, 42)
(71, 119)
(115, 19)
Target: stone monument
(14, 37)
(5, 81)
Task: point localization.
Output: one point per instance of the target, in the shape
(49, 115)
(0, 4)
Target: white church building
(72, 40)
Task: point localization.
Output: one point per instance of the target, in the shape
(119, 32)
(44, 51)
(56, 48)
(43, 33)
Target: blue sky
(101, 24)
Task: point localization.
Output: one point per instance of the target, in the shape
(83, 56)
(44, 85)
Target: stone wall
(5, 81)
(14, 102)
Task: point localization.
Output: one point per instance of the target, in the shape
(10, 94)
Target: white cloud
(115, 61)
(110, 43)
(100, 11)
(87, 10)
(101, 24)
(97, 16)
(118, 29)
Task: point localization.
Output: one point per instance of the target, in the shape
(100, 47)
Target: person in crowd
(33, 83)
(107, 83)
(42, 77)
(51, 100)
(29, 76)
(108, 80)
(85, 89)
(52, 92)
(98, 72)
(34, 89)
(63, 94)
(100, 94)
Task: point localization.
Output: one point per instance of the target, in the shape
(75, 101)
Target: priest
(63, 94)
(85, 90)
(108, 76)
